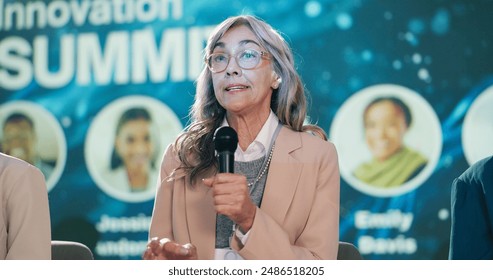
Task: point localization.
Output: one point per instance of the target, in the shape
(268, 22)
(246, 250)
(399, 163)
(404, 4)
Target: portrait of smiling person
(33, 134)
(132, 162)
(135, 129)
(282, 202)
(19, 140)
(382, 151)
(386, 120)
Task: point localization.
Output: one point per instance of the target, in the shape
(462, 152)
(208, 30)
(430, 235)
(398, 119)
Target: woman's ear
(277, 81)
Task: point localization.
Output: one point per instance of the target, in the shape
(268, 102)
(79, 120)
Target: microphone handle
(226, 162)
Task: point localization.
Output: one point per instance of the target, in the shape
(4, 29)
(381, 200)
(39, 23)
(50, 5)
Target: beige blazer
(298, 217)
(25, 232)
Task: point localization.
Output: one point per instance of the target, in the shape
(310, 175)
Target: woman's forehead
(241, 34)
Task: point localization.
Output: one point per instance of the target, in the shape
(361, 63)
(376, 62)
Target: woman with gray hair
(282, 202)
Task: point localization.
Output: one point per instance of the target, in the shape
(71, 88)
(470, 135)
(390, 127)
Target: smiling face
(385, 126)
(243, 91)
(133, 144)
(19, 140)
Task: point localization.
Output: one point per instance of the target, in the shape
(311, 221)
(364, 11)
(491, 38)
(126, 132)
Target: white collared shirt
(258, 148)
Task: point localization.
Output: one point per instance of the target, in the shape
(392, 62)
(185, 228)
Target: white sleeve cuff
(243, 237)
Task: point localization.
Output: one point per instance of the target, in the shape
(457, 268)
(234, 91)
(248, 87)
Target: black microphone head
(225, 139)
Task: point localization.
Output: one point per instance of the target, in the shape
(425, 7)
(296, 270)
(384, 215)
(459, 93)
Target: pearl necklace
(261, 174)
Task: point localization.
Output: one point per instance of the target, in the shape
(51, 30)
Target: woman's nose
(380, 132)
(233, 69)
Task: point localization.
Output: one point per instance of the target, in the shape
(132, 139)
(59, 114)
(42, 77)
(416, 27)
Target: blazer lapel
(283, 176)
(201, 220)
(282, 181)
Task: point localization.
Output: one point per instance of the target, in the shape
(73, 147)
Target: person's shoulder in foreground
(25, 232)
(479, 171)
(472, 212)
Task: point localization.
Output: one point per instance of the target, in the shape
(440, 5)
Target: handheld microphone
(225, 143)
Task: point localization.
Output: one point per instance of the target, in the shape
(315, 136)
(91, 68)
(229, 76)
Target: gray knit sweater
(251, 169)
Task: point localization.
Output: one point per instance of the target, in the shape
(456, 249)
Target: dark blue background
(341, 47)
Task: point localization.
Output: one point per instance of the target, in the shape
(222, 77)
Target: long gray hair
(195, 146)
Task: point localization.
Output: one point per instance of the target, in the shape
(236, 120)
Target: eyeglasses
(246, 59)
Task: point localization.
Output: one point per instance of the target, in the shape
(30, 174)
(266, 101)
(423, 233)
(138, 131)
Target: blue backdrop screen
(79, 68)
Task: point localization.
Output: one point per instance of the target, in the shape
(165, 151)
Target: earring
(278, 82)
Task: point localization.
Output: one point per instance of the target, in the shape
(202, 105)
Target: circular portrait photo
(125, 143)
(33, 134)
(388, 138)
(477, 130)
